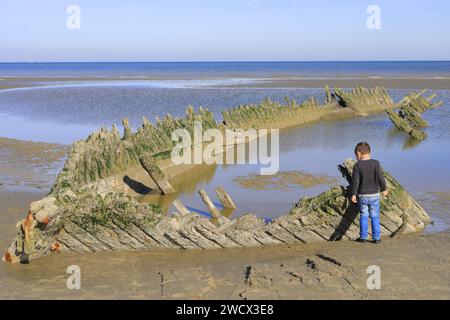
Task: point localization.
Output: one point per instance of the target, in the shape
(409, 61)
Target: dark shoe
(361, 240)
(376, 241)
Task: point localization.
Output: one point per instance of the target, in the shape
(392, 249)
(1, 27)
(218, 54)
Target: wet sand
(412, 267)
(434, 83)
(29, 164)
(443, 196)
(391, 83)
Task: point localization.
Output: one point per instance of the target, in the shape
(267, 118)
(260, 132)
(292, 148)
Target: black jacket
(368, 178)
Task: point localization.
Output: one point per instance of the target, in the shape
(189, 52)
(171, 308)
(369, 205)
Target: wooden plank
(263, 237)
(225, 198)
(421, 93)
(209, 204)
(281, 234)
(243, 238)
(209, 231)
(188, 230)
(180, 207)
(170, 230)
(149, 164)
(304, 234)
(431, 97)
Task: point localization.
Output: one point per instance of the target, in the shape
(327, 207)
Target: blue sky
(226, 30)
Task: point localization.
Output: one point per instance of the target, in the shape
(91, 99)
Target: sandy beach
(412, 267)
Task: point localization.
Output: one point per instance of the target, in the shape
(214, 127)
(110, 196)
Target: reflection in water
(395, 135)
(283, 180)
(187, 183)
(227, 212)
(410, 143)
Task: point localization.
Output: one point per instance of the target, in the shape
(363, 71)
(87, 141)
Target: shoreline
(272, 82)
(389, 83)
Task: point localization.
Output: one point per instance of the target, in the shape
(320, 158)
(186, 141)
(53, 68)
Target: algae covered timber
(87, 211)
(409, 117)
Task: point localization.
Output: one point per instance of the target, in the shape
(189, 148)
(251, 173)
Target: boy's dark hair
(362, 147)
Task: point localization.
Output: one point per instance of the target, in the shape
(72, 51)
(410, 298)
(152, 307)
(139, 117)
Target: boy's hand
(354, 199)
(385, 193)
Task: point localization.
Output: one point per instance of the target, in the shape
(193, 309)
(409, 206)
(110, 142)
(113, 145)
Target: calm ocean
(205, 69)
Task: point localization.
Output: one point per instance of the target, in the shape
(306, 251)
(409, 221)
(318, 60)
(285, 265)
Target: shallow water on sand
(63, 114)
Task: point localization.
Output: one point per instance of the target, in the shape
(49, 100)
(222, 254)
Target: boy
(368, 182)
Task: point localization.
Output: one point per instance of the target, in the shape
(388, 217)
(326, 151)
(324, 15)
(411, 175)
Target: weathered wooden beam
(411, 96)
(225, 198)
(413, 117)
(127, 132)
(209, 204)
(404, 125)
(437, 104)
(149, 164)
(176, 214)
(431, 97)
(180, 207)
(421, 93)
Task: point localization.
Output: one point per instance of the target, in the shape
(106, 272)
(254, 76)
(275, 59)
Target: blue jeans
(369, 206)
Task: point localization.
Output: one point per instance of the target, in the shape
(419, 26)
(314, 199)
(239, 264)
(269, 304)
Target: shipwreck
(90, 209)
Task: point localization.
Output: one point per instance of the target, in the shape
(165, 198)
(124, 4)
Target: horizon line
(223, 61)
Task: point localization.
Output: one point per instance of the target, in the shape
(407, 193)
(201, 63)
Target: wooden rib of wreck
(105, 153)
(88, 211)
(409, 117)
(359, 101)
(88, 222)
